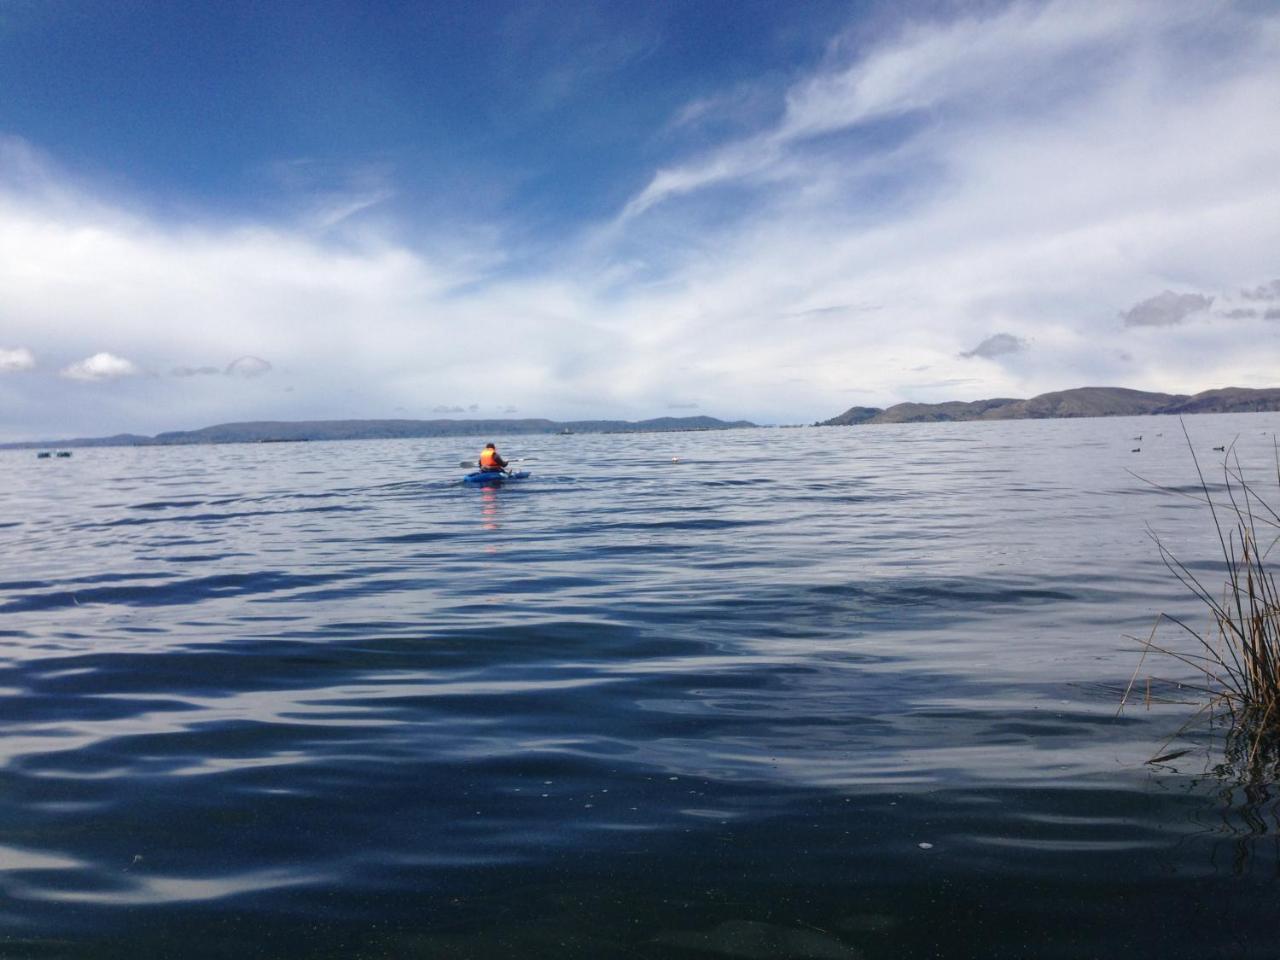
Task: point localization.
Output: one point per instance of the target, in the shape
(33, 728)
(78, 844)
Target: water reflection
(490, 514)
(1235, 776)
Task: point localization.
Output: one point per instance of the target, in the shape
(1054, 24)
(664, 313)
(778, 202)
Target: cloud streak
(997, 345)
(248, 367)
(1167, 309)
(194, 372)
(1266, 291)
(927, 67)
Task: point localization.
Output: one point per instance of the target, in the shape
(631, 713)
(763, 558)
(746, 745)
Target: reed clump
(1237, 657)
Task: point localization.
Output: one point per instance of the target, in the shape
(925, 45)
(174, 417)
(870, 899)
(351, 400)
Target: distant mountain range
(302, 430)
(1081, 402)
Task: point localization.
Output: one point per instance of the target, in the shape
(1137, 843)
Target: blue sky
(231, 211)
(543, 112)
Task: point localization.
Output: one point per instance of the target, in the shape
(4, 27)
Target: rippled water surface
(808, 693)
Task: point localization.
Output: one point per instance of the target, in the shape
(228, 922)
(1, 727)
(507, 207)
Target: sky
(227, 211)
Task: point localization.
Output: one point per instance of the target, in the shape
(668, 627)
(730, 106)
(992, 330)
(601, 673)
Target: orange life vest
(488, 458)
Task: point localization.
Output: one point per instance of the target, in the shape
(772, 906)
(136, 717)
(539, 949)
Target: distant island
(1080, 402)
(284, 431)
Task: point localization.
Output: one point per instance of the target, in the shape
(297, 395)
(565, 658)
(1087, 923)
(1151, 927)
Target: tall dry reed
(1237, 657)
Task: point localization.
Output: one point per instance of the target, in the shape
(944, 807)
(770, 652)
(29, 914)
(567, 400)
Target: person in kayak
(490, 460)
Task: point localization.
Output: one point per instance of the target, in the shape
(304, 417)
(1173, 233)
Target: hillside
(285, 431)
(1080, 402)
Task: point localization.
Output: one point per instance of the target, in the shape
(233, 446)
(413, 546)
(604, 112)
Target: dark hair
(488, 445)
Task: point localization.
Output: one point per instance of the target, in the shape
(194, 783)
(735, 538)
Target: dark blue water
(803, 693)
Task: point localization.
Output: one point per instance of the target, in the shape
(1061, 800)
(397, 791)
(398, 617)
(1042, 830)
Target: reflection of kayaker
(490, 460)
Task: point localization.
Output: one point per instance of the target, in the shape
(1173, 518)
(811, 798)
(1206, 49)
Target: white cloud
(1015, 188)
(15, 361)
(101, 366)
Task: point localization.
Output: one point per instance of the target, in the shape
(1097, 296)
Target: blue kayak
(492, 478)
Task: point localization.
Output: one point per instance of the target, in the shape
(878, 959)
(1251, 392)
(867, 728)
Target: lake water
(813, 693)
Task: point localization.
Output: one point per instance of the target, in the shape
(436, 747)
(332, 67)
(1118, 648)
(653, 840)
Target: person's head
(490, 446)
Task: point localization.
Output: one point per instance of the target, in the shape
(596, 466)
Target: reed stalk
(1237, 657)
